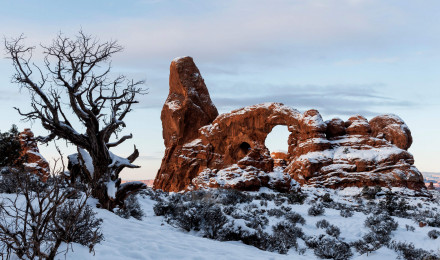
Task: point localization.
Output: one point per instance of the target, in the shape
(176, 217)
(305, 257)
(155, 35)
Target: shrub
(333, 231)
(329, 247)
(316, 210)
(370, 193)
(322, 223)
(427, 216)
(381, 224)
(410, 228)
(275, 213)
(47, 219)
(265, 196)
(131, 208)
(295, 218)
(394, 206)
(409, 252)
(78, 225)
(296, 198)
(284, 237)
(346, 213)
(212, 221)
(434, 234)
(9, 147)
(232, 197)
(381, 227)
(256, 221)
(327, 198)
(12, 180)
(370, 242)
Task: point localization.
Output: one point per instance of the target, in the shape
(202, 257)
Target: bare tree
(74, 88)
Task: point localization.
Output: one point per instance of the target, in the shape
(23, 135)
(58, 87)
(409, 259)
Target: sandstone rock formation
(280, 158)
(33, 161)
(204, 149)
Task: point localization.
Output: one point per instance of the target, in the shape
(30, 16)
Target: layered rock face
(204, 149)
(33, 161)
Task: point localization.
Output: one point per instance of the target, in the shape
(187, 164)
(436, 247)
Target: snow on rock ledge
(204, 149)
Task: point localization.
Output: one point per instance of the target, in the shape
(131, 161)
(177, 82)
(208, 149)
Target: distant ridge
(433, 177)
(149, 183)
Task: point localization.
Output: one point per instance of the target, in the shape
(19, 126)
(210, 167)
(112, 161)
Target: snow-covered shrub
(327, 198)
(394, 205)
(427, 216)
(255, 220)
(316, 210)
(265, 196)
(333, 231)
(250, 207)
(409, 252)
(296, 197)
(370, 193)
(37, 222)
(382, 224)
(131, 208)
(77, 224)
(370, 242)
(155, 195)
(212, 221)
(11, 180)
(329, 247)
(284, 237)
(295, 218)
(275, 212)
(346, 213)
(232, 197)
(279, 200)
(193, 213)
(322, 223)
(286, 209)
(257, 238)
(410, 228)
(434, 234)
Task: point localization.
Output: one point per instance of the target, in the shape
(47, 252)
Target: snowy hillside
(154, 238)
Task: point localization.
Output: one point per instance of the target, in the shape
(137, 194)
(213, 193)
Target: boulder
(33, 161)
(204, 149)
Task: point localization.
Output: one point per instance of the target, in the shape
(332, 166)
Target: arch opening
(239, 151)
(277, 141)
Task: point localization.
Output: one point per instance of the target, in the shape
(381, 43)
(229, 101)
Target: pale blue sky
(342, 57)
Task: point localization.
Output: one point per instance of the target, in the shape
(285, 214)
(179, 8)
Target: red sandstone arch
(228, 150)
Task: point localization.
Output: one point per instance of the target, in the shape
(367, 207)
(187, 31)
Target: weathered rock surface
(280, 158)
(204, 149)
(30, 155)
(187, 108)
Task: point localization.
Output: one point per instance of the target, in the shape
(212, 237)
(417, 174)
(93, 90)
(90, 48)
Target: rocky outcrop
(33, 161)
(228, 150)
(187, 108)
(280, 158)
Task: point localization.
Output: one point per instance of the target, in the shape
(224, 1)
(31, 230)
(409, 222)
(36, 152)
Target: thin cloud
(334, 100)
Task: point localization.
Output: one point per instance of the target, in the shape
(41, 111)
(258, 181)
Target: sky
(342, 57)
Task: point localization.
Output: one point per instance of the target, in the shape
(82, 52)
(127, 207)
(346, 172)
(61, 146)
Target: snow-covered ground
(153, 238)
